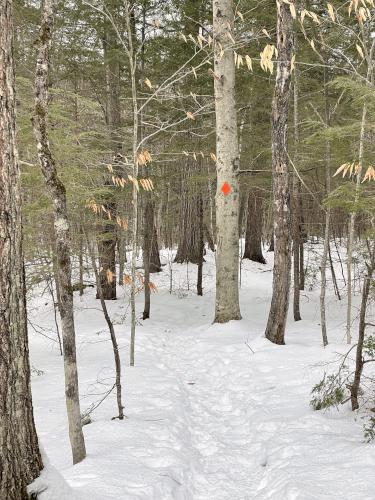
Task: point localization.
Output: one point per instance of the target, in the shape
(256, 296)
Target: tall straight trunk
(323, 264)
(254, 227)
(107, 229)
(201, 246)
(296, 202)
(275, 330)
(227, 305)
(20, 460)
(147, 242)
(301, 255)
(80, 264)
(134, 231)
(57, 193)
(189, 244)
(296, 252)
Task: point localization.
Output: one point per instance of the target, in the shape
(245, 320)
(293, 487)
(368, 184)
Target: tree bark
(275, 330)
(189, 245)
(147, 231)
(107, 259)
(20, 460)
(56, 190)
(108, 232)
(227, 305)
(296, 202)
(254, 227)
(201, 246)
(327, 230)
(131, 52)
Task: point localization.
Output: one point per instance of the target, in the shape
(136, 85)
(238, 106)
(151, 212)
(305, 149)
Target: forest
(187, 250)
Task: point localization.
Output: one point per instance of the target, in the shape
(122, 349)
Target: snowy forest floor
(214, 412)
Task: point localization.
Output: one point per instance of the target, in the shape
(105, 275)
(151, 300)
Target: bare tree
(227, 305)
(20, 460)
(56, 190)
(275, 329)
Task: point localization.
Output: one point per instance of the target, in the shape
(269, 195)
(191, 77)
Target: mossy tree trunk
(56, 190)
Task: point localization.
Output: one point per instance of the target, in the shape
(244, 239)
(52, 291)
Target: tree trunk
(107, 259)
(354, 389)
(112, 332)
(131, 52)
(108, 232)
(20, 460)
(275, 330)
(121, 253)
(301, 257)
(254, 227)
(296, 201)
(189, 245)
(323, 264)
(201, 246)
(147, 231)
(155, 264)
(57, 193)
(227, 305)
(80, 264)
(271, 248)
(296, 253)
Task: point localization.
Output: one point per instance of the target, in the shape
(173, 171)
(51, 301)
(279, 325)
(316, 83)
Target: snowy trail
(217, 393)
(208, 417)
(252, 434)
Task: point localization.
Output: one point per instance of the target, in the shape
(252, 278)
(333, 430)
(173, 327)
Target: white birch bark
(227, 206)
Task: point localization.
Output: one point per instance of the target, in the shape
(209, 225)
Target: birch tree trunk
(20, 461)
(134, 231)
(227, 200)
(275, 329)
(56, 190)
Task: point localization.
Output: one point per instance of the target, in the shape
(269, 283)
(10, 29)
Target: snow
(214, 412)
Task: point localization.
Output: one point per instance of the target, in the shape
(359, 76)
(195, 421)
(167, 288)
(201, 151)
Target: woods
(186, 244)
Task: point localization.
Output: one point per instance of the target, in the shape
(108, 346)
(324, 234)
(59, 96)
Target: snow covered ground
(214, 412)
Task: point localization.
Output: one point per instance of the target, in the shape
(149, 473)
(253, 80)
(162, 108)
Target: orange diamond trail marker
(225, 188)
